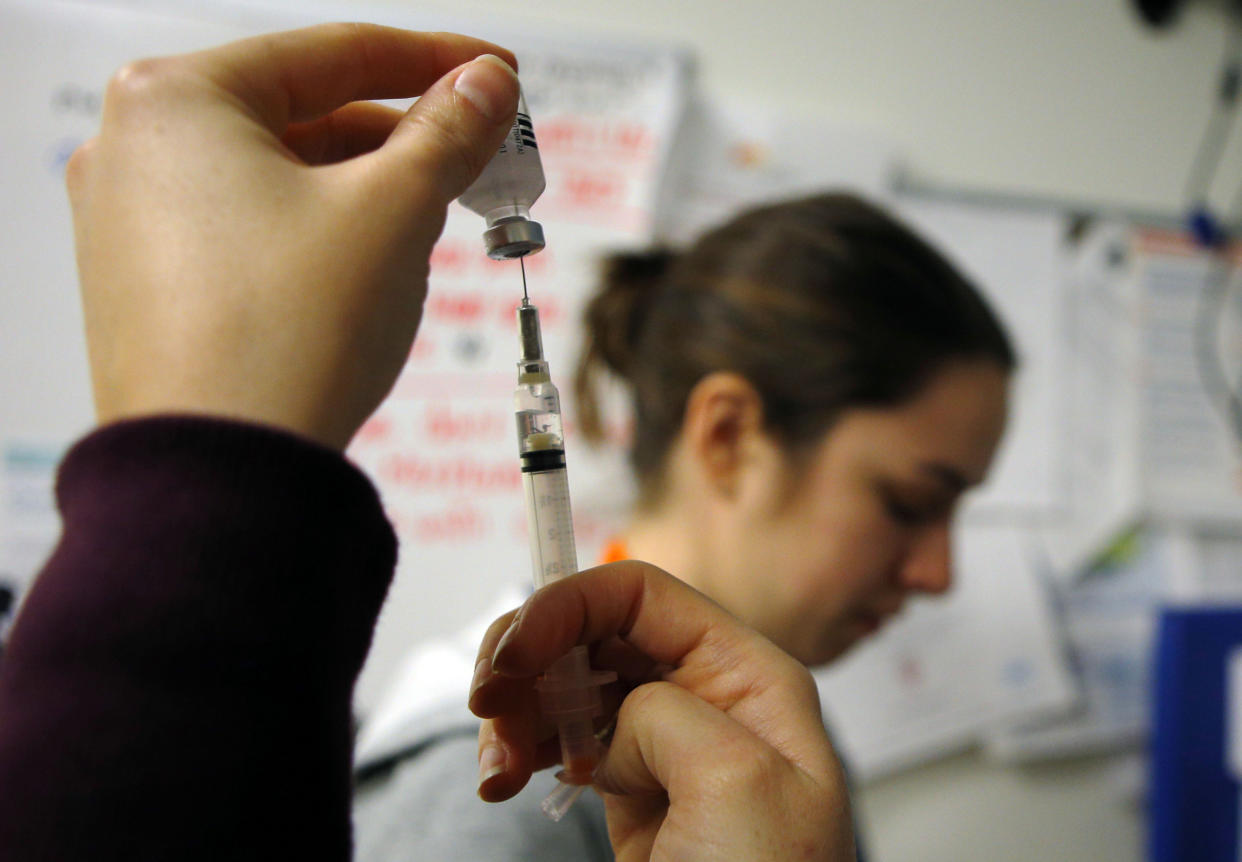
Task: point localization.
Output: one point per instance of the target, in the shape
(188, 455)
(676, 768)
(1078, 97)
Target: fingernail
(490, 85)
(482, 673)
(491, 763)
(508, 636)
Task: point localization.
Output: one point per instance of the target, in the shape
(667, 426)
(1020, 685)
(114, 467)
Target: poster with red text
(443, 447)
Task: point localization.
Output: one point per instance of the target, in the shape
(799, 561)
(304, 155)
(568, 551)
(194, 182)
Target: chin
(839, 646)
(826, 654)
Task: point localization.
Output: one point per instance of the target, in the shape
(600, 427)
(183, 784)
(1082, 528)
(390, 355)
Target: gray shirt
(423, 805)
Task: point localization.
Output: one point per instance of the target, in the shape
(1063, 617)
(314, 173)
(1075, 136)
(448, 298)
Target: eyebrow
(947, 475)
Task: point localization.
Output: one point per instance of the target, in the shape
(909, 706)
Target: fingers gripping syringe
(568, 690)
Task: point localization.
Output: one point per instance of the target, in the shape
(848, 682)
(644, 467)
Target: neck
(667, 539)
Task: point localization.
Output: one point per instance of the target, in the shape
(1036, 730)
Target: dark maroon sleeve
(177, 685)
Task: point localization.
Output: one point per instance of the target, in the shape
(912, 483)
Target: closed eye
(905, 515)
(915, 513)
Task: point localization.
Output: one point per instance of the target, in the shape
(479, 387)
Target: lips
(873, 619)
(891, 608)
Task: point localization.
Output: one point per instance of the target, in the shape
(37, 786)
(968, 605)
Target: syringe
(569, 689)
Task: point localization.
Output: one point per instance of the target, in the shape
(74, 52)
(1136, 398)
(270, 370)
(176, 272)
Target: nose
(928, 568)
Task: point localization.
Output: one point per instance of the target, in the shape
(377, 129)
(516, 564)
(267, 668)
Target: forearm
(179, 682)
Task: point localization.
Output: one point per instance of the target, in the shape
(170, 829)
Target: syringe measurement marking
(554, 552)
(561, 532)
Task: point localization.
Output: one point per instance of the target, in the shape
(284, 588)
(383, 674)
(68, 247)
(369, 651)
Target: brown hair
(822, 303)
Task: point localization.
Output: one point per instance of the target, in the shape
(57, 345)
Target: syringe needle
(525, 298)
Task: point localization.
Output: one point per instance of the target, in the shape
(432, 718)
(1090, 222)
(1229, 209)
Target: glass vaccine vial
(504, 192)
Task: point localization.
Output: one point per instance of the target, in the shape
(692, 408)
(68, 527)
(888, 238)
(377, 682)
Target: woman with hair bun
(813, 388)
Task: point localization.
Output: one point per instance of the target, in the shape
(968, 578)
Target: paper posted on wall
(29, 522)
(1149, 439)
(1108, 618)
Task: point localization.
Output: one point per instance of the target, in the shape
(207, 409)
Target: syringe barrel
(552, 552)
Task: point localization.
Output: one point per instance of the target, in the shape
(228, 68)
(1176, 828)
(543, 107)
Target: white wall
(1069, 98)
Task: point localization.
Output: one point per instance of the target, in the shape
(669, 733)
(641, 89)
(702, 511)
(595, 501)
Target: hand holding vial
(253, 238)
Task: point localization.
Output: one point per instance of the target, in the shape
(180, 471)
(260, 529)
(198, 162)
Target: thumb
(457, 126)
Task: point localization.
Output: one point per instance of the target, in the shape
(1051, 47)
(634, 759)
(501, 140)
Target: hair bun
(614, 317)
(638, 270)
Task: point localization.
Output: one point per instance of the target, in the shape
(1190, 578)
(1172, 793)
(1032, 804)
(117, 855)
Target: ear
(723, 424)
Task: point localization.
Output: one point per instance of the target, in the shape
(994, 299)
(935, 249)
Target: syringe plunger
(569, 694)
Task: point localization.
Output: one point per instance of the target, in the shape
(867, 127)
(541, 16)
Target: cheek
(824, 567)
(845, 559)
(860, 557)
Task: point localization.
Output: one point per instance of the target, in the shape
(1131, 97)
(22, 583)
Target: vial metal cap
(513, 237)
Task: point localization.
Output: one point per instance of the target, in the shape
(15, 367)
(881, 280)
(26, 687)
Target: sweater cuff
(231, 542)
